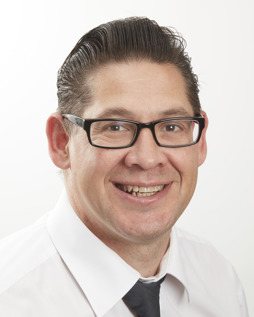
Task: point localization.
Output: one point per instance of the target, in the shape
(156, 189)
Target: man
(129, 136)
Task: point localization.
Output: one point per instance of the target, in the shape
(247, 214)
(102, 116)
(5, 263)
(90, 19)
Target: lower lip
(143, 200)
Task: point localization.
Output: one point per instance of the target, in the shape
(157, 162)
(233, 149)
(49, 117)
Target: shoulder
(23, 251)
(189, 240)
(198, 248)
(209, 275)
(204, 261)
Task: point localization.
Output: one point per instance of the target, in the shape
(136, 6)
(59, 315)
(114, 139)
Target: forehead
(138, 90)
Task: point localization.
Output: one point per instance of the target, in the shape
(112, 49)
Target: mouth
(140, 191)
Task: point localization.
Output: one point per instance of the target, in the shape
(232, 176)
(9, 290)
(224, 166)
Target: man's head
(141, 74)
(132, 39)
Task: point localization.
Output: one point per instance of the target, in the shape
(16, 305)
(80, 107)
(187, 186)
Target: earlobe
(58, 141)
(202, 145)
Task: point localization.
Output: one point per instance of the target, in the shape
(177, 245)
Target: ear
(202, 145)
(58, 141)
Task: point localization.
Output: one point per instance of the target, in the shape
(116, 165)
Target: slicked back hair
(135, 38)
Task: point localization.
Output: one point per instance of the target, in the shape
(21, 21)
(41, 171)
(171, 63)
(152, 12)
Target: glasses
(121, 133)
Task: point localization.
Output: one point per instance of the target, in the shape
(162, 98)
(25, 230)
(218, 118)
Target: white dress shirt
(58, 268)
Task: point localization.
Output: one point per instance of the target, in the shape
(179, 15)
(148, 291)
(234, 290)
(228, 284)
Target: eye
(115, 127)
(171, 128)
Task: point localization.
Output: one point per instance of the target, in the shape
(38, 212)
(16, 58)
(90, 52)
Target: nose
(145, 152)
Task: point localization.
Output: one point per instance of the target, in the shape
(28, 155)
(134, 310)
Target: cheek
(186, 165)
(97, 165)
(96, 175)
(185, 162)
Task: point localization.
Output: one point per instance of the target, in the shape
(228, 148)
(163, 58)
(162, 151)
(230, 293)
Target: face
(97, 179)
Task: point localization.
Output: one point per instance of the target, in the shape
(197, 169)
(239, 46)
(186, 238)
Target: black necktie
(143, 299)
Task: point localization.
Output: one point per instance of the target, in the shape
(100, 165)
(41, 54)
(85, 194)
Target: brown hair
(135, 38)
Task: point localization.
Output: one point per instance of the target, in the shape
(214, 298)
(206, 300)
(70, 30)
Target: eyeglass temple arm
(74, 119)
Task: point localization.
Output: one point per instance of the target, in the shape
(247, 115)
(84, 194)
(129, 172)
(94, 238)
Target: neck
(144, 257)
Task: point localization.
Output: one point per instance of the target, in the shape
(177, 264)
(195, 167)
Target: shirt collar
(102, 275)
(175, 262)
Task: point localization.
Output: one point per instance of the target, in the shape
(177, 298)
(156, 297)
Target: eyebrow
(122, 112)
(181, 112)
(116, 112)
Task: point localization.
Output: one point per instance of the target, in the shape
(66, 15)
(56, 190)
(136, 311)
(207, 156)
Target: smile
(140, 191)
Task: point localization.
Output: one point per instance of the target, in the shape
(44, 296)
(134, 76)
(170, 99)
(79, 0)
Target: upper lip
(133, 183)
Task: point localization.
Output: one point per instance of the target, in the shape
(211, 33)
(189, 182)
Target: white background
(36, 36)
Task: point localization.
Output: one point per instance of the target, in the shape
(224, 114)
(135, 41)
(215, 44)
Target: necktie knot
(143, 299)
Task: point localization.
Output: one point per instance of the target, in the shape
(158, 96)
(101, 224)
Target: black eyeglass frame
(86, 124)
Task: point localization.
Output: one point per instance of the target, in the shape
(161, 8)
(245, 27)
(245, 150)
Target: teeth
(129, 188)
(144, 194)
(135, 188)
(141, 191)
